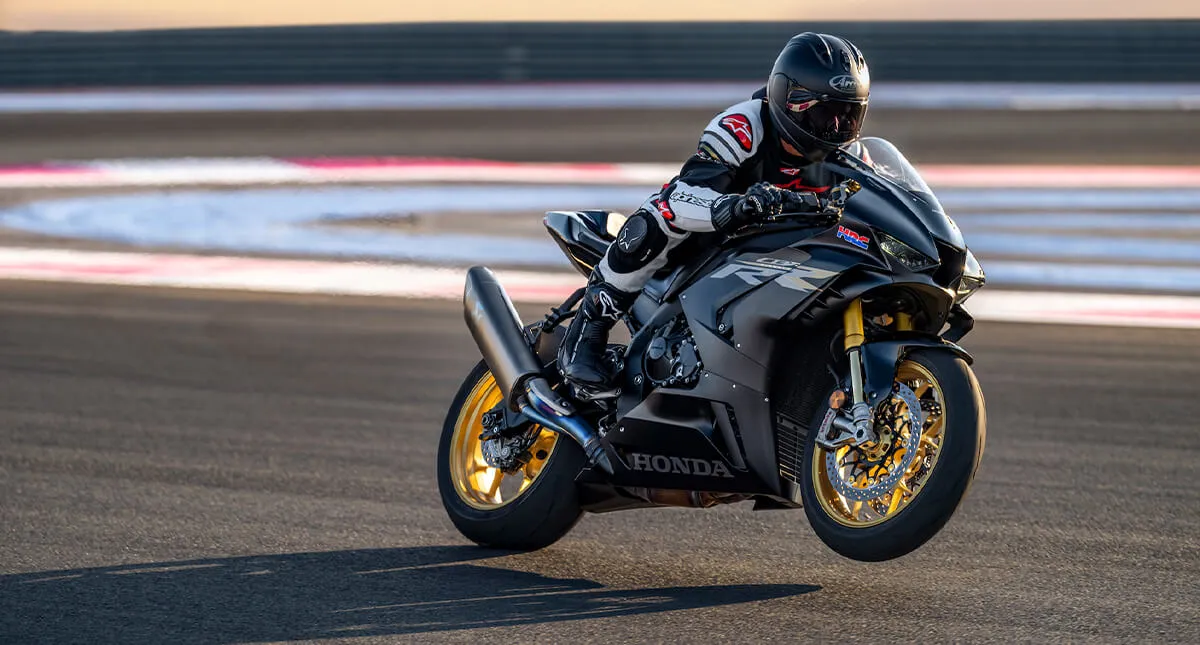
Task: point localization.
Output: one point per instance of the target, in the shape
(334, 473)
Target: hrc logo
(857, 239)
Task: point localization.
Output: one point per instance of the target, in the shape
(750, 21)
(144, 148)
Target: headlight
(904, 254)
(973, 278)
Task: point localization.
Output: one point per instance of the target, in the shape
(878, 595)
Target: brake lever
(840, 194)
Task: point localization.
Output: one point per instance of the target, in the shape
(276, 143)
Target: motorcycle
(788, 366)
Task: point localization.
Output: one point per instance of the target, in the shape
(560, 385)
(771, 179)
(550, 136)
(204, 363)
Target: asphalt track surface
(219, 467)
(926, 136)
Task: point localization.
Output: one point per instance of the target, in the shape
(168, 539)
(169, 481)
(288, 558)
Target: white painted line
(408, 281)
(265, 170)
(267, 275)
(1047, 176)
(169, 172)
(1123, 310)
(259, 171)
(519, 96)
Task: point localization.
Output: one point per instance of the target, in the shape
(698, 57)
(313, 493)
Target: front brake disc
(843, 482)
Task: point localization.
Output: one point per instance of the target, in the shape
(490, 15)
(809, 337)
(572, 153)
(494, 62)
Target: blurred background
(366, 147)
(1010, 108)
(93, 15)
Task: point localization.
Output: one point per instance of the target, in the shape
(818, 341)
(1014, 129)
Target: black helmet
(818, 93)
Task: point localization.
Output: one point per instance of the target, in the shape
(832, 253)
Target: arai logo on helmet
(845, 83)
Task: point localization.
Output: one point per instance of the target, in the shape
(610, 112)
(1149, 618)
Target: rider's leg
(640, 250)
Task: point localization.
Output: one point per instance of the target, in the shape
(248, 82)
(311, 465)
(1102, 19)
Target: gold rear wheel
(477, 484)
(867, 485)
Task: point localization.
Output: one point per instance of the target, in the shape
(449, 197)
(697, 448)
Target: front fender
(881, 358)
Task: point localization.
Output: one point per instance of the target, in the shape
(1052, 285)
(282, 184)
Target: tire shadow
(374, 592)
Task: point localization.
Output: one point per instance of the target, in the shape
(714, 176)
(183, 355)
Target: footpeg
(584, 393)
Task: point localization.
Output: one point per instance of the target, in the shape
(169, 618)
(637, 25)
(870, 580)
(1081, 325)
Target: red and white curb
(265, 170)
(411, 281)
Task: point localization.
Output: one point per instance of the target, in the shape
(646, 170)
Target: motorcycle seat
(584, 236)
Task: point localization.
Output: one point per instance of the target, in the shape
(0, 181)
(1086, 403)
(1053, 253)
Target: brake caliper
(503, 446)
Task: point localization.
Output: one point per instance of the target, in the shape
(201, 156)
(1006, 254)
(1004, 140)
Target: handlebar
(830, 204)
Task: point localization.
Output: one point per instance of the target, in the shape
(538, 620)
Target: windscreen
(888, 162)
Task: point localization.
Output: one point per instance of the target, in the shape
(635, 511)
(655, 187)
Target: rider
(753, 158)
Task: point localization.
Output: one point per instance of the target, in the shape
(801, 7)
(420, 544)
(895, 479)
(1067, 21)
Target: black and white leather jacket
(738, 149)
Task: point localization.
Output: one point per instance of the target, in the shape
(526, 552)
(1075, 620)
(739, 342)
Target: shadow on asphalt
(321, 595)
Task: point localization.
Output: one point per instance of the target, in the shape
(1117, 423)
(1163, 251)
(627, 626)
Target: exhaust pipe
(498, 332)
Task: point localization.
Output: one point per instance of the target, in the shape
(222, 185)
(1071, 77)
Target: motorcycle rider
(753, 159)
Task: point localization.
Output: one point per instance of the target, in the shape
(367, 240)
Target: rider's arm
(729, 140)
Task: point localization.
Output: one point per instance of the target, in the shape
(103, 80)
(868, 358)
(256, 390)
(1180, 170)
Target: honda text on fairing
(784, 366)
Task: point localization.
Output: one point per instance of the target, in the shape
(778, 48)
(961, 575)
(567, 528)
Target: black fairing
(907, 216)
(755, 305)
(751, 301)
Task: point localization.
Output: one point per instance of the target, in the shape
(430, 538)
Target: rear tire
(537, 516)
(902, 531)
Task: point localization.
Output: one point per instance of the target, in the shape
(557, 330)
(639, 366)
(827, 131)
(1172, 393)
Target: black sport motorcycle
(786, 365)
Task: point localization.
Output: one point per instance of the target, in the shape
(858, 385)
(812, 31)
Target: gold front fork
(852, 321)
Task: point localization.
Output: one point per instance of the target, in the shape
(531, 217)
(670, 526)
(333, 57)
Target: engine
(671, 359)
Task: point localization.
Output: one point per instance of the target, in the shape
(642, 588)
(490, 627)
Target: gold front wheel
(861, 486)
(883, 499)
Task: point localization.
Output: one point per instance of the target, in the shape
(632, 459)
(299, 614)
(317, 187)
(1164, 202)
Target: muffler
(498, 332)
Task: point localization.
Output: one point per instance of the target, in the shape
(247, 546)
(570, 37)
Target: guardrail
(1148, 51)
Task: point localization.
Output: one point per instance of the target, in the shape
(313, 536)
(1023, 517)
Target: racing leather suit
(737, 150)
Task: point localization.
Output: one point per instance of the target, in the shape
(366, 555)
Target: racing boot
(581, 354)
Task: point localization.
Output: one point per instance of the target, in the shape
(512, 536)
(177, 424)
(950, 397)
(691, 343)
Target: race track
(216, 468)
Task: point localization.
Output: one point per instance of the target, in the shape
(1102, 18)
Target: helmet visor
(835, 121)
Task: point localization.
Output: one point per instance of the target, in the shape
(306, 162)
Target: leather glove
(761, 201)
(820, 211)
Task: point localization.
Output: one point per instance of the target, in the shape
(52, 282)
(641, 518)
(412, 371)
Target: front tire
(846, 492)
(525, 510)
